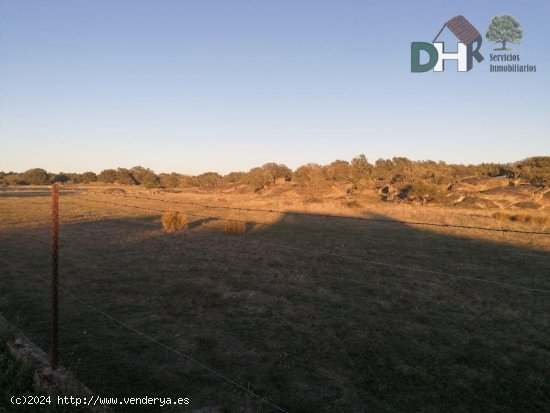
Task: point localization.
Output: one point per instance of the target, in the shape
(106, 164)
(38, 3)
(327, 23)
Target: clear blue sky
(193, 86)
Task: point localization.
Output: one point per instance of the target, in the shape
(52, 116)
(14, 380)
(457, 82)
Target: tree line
(427, 177)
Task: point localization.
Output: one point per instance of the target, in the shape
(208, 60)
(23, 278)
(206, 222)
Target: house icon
(468, 37)
(469, 43)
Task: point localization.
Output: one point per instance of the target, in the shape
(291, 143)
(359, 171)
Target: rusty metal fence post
(54, 344)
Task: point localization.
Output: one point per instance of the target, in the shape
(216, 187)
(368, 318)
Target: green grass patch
(17, 379)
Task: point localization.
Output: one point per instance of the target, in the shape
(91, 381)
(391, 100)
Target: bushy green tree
(150, 181)
(145, 176)
(277, 171)
(188, 181)
(311, 180)
(107, 176)
(169, 180)
(124, 177)
(425, 191)
(361, 171)
(259, 177)
(271, 170)
(88, 177)
(338, 171)
(504, 29)
(535, 170)
(12, 178)
(36, 176)
(234, 177)
(209, 179)
(60, 178)
(383, 169)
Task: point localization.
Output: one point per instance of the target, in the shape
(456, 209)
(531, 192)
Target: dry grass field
(314, 314)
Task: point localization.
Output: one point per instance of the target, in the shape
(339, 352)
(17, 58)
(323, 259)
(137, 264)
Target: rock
(527, 205)
(475, 202)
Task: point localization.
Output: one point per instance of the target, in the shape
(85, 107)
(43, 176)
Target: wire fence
(328, 253)
(285, 316)
(322, 215)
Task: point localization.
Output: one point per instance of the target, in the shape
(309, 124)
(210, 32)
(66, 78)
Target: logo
(504, 29)
(468, 45)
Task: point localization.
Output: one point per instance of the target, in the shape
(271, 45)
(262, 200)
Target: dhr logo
(467, 48)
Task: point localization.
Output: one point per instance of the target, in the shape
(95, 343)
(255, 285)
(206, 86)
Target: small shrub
(426, 191)
(114, 191)
(235, 227)
(525, 218)
(311, 181)
(352, 204)
(540, 220)
(173, 221)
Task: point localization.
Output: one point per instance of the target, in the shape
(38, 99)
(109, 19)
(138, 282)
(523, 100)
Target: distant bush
(88, 177)
(36, 176)
(400, 171)
(14, 179)
(383, 169)
(144, 176)
(425, 191)
(188, 181)
(361, 171)
(209, 180)
(169, 180)
(540, 180)
(338, 171)
(173, 221)
(124, 177)
(275, 171)
(59, 178)
(258, 178)
(535, 170)
(107, 176)
(150, 181)
(525, 218)
(235, 227)
(311, 180)
(232, 177)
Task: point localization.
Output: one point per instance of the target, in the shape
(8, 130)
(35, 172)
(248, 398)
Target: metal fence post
(54, 350)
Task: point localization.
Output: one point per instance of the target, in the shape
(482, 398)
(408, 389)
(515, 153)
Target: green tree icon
(504, 29)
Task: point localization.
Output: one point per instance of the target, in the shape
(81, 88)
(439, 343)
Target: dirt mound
(459, 187)
(517, 190)
(168, 191)
(527, 205)
(511, 194)
(475, 202)
(484, 183)
(114, 191)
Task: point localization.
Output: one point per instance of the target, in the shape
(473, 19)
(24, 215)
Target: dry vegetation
(539, 220)
(235, 227)
(316, 314)
(173, 221)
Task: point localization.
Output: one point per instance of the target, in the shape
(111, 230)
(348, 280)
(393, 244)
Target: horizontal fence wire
(33, 235)
(328, 253)
(145, 336)
(332, 216)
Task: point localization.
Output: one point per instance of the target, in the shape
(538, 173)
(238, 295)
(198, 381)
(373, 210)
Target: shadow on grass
(314, 314)
(32, 192)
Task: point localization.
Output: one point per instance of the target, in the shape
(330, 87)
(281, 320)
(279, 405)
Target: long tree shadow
(33, 192)
(313, 314)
